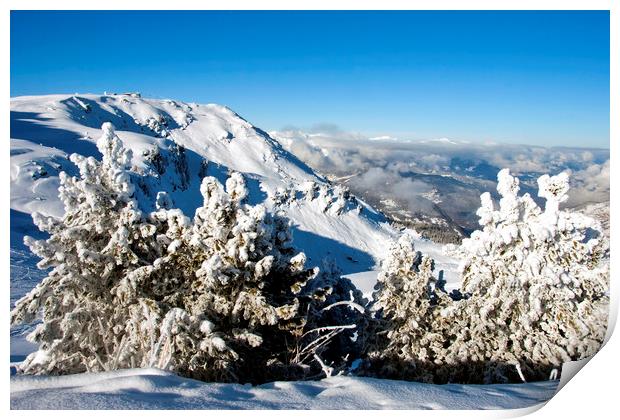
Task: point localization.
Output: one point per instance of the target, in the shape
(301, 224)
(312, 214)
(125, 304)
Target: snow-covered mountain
(176, 144)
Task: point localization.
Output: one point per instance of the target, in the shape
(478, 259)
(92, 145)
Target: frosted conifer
(101, 236)
(535, 295)
(538, 281)
(223, 296)
(402, 342)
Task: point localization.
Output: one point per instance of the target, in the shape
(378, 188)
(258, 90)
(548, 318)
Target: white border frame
(591, 393)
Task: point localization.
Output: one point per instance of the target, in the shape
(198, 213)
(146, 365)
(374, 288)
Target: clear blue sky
(518, 77)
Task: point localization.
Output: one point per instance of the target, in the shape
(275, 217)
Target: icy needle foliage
(223, 296)
(100, 238)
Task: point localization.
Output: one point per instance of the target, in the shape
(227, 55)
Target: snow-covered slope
(174, 145)
(46, 129)
(157, 389)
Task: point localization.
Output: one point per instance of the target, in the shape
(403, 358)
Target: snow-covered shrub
(101, 237)
(402, 340)
(245, 278)
(157, 125)
(309, 190)
(343, 195)
(538, 281)
(223, 296)
(534, 295)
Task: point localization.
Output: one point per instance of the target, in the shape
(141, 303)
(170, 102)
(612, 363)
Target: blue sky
(515, 77)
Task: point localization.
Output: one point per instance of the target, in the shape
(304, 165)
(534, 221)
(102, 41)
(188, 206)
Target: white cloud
(383, 138)
(384, 162)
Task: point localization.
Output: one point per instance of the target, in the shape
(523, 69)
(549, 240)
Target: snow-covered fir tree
(102, 236)
(223, 296)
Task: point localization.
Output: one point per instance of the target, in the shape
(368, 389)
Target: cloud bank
(442, 172)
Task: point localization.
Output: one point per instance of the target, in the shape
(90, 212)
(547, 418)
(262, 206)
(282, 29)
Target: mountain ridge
(174, 145)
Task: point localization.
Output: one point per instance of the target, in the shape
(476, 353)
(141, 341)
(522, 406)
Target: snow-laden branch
(331, 327)
(348, 303)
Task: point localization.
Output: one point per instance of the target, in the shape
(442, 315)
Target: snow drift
(157, 389)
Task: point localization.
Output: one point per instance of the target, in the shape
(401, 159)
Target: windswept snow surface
(157, 389)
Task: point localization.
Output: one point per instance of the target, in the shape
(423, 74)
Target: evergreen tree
(402, 342)
(538, 281)
(534, 295)
(102, 236)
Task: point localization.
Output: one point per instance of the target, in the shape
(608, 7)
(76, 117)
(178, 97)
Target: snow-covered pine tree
(241, 274)
(535, 286)
(538, 281)
(101, 236)
(221, 297)
(402, 342)
(253, 285)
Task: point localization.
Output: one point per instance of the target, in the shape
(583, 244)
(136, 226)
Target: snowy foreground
(157, 389)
